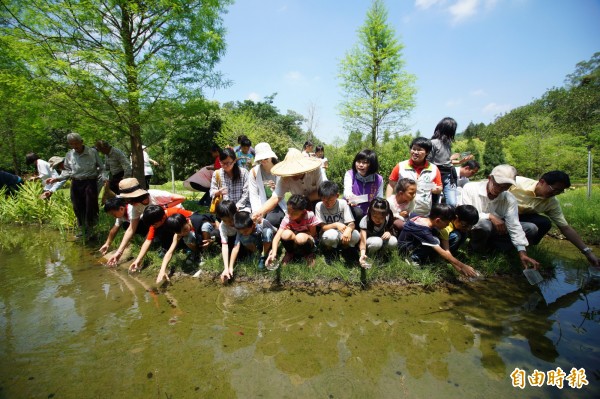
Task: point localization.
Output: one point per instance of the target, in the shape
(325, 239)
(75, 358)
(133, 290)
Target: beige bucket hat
(55, 161)
(130, 188)
(504, 174)
(295, 164)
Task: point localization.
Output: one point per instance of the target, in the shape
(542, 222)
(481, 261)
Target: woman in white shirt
(261, 184)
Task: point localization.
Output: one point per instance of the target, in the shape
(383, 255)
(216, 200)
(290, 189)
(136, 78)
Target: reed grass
(583, 213)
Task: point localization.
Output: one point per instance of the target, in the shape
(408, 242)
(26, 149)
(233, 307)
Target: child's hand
(257, 217)
(225, 276)
(340, 226)
(346, 236)
(469, 271)
(207, 243)
(162, 275)
(363, 262)
(134, 267)
(270, 259)
(386, 236)
(437, 190)
(104, 249)
(404, 214)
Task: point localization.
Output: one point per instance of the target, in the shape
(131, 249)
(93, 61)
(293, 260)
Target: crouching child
(455, 234)
(376, 230)
(418, 241)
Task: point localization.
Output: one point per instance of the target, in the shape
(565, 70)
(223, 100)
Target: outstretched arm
(574, 238)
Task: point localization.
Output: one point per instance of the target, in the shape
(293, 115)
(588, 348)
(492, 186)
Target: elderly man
(82, 165)
(536, 197)
(117, 164)
(300, 175)
(498, 223)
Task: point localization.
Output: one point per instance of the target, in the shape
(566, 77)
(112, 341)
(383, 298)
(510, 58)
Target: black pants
(114, 181)
(84, 197)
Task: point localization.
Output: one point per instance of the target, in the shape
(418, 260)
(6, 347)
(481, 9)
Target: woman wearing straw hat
(231, 181)
(298, 175)
(262, 182)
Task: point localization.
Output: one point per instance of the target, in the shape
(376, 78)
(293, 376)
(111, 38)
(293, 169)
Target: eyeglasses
(556, 191)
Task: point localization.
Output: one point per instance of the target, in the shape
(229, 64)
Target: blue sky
(473, 59)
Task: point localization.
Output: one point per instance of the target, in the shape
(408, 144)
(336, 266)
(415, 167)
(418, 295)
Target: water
(70, 328)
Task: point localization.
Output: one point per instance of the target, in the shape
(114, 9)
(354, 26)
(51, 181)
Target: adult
(362, 183)
(200, 181)
(83, 166)
(417, 168)
(12, 182)
(464, 174)
(117, 164)
(148, 162)
(262, 183)
(537, 198)
(298, 175)
(231, 181)
(498, 224)
(45, 171)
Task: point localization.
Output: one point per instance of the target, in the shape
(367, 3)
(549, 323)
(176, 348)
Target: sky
(473, 59)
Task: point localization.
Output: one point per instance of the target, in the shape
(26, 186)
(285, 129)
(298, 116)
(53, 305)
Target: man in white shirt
(498, 224)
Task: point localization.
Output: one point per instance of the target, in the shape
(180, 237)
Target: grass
(583, 213)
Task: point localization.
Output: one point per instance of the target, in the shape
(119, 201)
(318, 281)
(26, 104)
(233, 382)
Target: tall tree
(115, 59)
(378, 93)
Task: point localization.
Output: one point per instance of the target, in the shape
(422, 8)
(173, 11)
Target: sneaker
(310, 259)
(287, 258)
(261, 262)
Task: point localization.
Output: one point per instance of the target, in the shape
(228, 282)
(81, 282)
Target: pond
(71, 328)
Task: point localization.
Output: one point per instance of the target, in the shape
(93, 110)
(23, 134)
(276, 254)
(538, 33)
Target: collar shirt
(117, 162)
(237, 190)
(524, 192)
(504, 206)
(308, 184)
(86, 165)
(45, 171)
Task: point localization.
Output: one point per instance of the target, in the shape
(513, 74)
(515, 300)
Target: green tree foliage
(493, 154)
(378, 93)
(113, 61)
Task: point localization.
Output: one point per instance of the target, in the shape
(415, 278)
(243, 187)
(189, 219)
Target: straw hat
(263, 151)
(295, 164)
(504, 174)
(130, 188)
(54, 161)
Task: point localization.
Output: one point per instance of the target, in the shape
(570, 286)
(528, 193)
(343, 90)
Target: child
(226, 211)
(307, 149)
(418, 241)
(155, 216)
(251, 236)
(376, 230)
(320, 153)
(297, 232)
(455, 234)
(123, 214)
(336, 220)
(402, 202)
(245, 158)
(183, 228)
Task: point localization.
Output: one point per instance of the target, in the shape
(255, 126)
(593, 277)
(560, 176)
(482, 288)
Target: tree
(493, 153)
(114, 60)
(378, 93)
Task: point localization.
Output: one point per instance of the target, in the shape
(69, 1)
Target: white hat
(504, 174)
(55, 161)
(295, 164)
(263, 151)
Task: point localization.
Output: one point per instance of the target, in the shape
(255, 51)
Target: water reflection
(100, 328)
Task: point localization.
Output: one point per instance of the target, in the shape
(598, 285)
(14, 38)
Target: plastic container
(533, 276)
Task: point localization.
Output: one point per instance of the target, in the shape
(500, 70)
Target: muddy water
(72, 329)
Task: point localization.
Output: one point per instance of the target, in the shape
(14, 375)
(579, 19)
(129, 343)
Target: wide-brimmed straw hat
(295, 164)
(263, 151)
(130, 188)
(55, 161)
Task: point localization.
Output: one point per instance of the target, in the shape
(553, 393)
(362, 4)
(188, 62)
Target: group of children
(331, 229)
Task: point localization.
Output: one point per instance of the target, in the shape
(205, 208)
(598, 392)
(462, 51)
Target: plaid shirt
(237, 190)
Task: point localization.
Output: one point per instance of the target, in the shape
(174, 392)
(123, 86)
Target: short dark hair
(328, 188)
(467, 214)
(319, 148)
(403, 185)
(175, 223)
(153, 214)
(369, 156)
(307, 143)
(298, 202)
(443, 211)
(242, 220)
(136, 200)
(113, 204)
(215, 147)
(472, 164)
(245, 142)
(557, 176)
(241, 137)
(423, 143)
(226, 208)
(31, 158)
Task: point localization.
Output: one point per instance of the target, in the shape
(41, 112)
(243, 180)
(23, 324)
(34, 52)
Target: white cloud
(254, 97)
(495, 109)
(463, 9)
(425, 4)
(453, 102)
(293, 77)
(478, 93)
